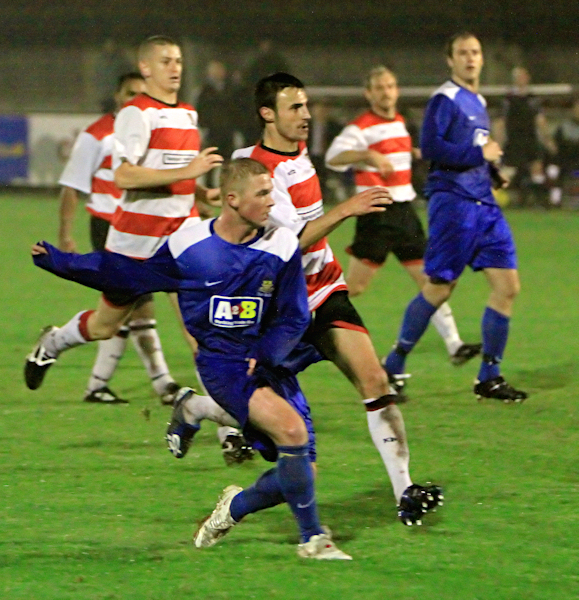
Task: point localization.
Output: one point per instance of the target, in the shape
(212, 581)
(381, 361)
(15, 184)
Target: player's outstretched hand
(205, 161)
(38, 248)
(374, 199)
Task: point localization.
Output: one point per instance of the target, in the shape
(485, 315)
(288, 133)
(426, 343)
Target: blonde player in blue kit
(243, 297)
(466, 226)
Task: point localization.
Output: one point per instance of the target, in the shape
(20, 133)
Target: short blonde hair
(377, 72)
(155, 40)
(236, 173)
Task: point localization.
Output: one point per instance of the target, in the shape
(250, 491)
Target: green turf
(94, 507)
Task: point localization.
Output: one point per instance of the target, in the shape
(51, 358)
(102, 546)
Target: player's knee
(437, 291)
(355, 289)
(102, 331)
(375, 383)
(293, 433)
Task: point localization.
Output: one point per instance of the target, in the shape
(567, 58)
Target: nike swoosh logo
(211, 283)
(306, 505)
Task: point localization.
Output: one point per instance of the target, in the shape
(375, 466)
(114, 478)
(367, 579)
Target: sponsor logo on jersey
(266, 288)
(183, 158)
(480, 137)
(238, 311)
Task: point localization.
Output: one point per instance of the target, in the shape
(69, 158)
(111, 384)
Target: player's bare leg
(360, 274)
(85, 326)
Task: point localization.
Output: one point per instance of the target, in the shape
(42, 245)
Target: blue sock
(296, 480)
(495, 331)
(264, 493)
(414, 324)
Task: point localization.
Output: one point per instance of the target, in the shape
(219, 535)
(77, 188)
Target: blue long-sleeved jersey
(237, 300)
(456, 125)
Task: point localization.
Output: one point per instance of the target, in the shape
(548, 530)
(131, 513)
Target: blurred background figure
(523, 133)
(564, 170)
(266, 62)
(216, 106)
(111, 64)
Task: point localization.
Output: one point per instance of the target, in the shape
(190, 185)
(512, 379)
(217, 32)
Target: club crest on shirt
(266, 288)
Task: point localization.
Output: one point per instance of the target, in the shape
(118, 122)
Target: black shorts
(398, 229)
(337, 312)
(99, 228)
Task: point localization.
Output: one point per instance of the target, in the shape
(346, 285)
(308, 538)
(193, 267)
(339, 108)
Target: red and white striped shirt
(298, 199)
(89, 168)
(152, 134)
(389, 137)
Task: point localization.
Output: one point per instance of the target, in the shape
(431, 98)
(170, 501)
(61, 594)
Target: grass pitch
(94, 507)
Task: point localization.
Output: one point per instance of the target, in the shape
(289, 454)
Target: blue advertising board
(13, 147)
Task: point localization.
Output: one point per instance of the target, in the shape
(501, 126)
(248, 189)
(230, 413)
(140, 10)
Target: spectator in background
(217, 110)
(267, 62)
(566, 160)
(523, 132)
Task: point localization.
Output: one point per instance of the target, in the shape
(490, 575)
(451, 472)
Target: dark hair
(267, 89)
(463, 35)
(128, 77)
(155, 40)
(235, 173)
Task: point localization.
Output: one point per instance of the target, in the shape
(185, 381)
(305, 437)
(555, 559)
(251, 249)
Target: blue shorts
(463, 232)
(229, 385)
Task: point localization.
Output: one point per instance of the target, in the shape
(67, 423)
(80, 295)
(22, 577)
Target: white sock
(108, 356)
(388, 433)
(68, 336)
(148, 345)
(198, 408)
(445, 324)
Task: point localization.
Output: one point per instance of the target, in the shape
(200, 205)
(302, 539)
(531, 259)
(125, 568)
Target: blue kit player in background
(242, 293)
(466, 226)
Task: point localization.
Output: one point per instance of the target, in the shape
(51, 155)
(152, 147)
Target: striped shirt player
(156, 135)
(397, 230)
(298, 199)
(89, 170)
(387, 136)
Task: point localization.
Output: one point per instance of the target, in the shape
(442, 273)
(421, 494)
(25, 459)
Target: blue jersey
(238, 300)
(455, 128)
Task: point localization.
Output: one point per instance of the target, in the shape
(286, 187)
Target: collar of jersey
(254, 239)
(295, 153)
(160, 101)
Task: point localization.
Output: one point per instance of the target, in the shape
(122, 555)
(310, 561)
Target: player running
(243, 297)
(466, 226)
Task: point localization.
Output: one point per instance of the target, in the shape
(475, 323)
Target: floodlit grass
(94, 507)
